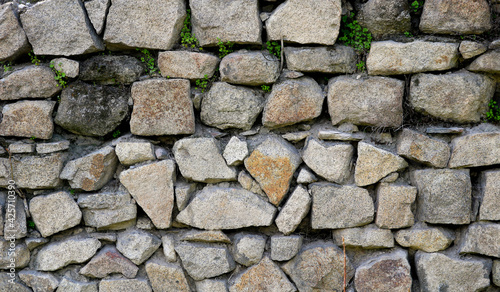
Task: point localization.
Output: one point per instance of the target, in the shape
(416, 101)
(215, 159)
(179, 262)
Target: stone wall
(136, 157)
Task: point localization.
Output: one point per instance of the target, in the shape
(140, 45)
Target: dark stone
(111, 69)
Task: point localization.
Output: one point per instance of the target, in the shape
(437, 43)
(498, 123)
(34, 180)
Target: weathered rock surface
(168, 277)
(14, 41)
(489, 62)
(293, 101)
(306, 176)
(249, 184)
(385, 17)
(70, 68)
(111, 69)
(134, 152)
(248, 248)
(236, 151)
(284, 248)
(189, 65)
(39, 281)
(70, 285)
(29, 82)
(336, 59)
(28, 119)
(15, 285)
(294, 210)
(172, 113)
(496, 272)
(475, 150)
(211, 285)
(470, 49)
(129, 285)
(421, 148)
(109, 261)
(183, 192)
(394, 205)
(205, 236)
(203, 261)
(16, 227)
(44, 148)
(482, 238)
(351, 100)
(17, 148)
(111, 211)
(17, 257)
(392, 58)
(168, 244)
(137, 245)
(249, 68)
(490, 193)
(367, 237)
(97, 11)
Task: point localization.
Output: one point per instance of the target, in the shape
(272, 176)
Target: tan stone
(28, 119)
(394, 205)
(419, 147)
(189, 65)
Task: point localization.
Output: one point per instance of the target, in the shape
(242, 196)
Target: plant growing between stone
(361, 66)
(354, 35)
(274, 48)
(34, 58)
(7, 67)
(60, 76)
(149, 61)
(266, 88)
(116, 134)
(493, 114)
(224, 48)
(188, 39)
(417, 5)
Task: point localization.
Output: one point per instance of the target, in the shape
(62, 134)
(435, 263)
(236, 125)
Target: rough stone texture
(203, 261)
(32, 242)
(134, 152)
(44, 148)
(374, 163)
(437, 270)
(189, 65)
(421, 148)
(284, 248)
(455, 17)
(54, 212)
(216, 208)
(394, 205)
(129, 285)
(166, 277)
(333, 162)
(16, 148)
(183, 192)
(236, 151)
(124, 32)
(29, 82)
(162, 107)
(92, 171)
(436, 95)
(489, 62)
(482, 238)
(236, 22)
(248, 248)
(28, 119)
(69, 285)
(335, 206)
(490, 193)
(20, 254)
(109, 261)
(111, 69)
(211, 285)
(496, 272)
(70, 33)
(252, 68)
(39, 281)
(367, 237)
(205, 236)
(137, 245)
(422, 237)
(385, 17)
(249, 184)
(387, 272)
(199, 159)
(13, 39)
(469, 49)
(167, 242)
(273, 164)
(228, 106)
(444, 195)
(110, 211)
(72, 250)
(69, 67)
(306, 177)
(293, 101)
(351, 100)
(266, 276)
(16, 228)
(319, 266)
(336, 59)
(294, 210)
(475, 150)
(305, 21)
(392, 58)
(97, 11)
(12, 286)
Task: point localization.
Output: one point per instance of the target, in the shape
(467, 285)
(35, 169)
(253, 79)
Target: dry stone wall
(250, 145)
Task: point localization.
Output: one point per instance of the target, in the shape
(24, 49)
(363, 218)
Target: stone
(335, 206)
(205, 236)
(422, 237)
(97, 10)
(319, 266)
(183, 192)
(252, 68)
(54, 212)
(13, 254)
(306, 177)
(488, 63)
(394, 205)
(44, 148)
(69, 285)
(129, 285)
(421, 148)
(336, 59)
(104, 236)
(431, 95)
(144, 223)
(265, 276)
(482, 238)
(215, 208)
(70, 68)
(19, 147)
(387, 272)
(228, 106)
(124, 32)
(351, 100)
(444, 195)
(167, 242)
(436, 270)
(496, 272)
(455, 17)
(199, 159)
(14, 285)
(249, 184)
(14, 41)
(393, 58)
(296, 136)
(203, 261)
(29, 82)
(385, 17)
(92, 171)
(374, 163)
(236, 22)
(367, 237)
(71, 250)
(111, 70)
(109, 261)
(137, 245)
(490, 193)
(172, 113)
(166, 277)
(108, 211)
(39, 281)
(293, 101)
(14, 228)
(248, 248)
(67, 35)
(189, 65)
(28, 119)
(284, 248)
(473, 150)
(340, 136)
(235, 152)
(441, 130)
(294, 210)
(469, 49)
(130, 153)
(211, 285)
(331, 161)
(305, 22)
(34, 242)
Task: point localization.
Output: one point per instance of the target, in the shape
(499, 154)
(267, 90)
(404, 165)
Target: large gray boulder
(336, 59)
(112, 70)
(203, 261)
(28, 118)
(29, 82)
(249, 68)
(465, 150)
(185, 64)
(490, 193)
(424, 149)
(489, 63)
(14, 42)
(385, 17)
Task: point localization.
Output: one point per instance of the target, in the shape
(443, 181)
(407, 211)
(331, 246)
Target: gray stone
(422, 237)
(392, 58)
(12, 284)
(335, 206)
(482, 238)
(296, 136)
(166, 277)
(444, 195)
(435, 95)
(110, 211)
(211, 285)
(69, 285)
(442, 130)
(236, 22)
(394, 205)
(144, 223)
(203, 261)
(496, 272)
(92, 171)
(333, 162)
(340, 136)
(137, 245)
(54, 212)
(252, 68)
(469, 49)
(455, 17)
(228, 106)
(421, 148)
(248, 248)
(14, 41)
(19, 147)
(39, 281)
(34, 242)
(216, 208)
(189, 65)
(475, 150)
(97, 10)
(15, 227)
(374, 163)
(109, 261)
(183, 192)
(134, 152)
(305, 21)
(336, 59)
(294, 210)
(167, 242)
(199, 159)
(490, 193)
(489, 62)
(70, 68)
(306, 177)
(172, 113)
(385, 17)
(205, 236)
(367, 237)
(29, 82)
(293, 101)
(284, 248)
(124, 32)
(13, 254)
(235, 152)
(351, 100)
(68, 34)
(28, 119)
(120, 285)
(72, 250)
(104, 236)
(111, 69)
(249, 184)
(44, 148)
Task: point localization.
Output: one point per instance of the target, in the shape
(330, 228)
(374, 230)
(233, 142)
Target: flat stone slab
(166, 276)
(336, 59)
(394, 203)
(490, 192)
(252, 68)
(425, 238)
(28, 118)
(482, 238)
(189, 65)
(108, 211)
(465, 150)
(294, 210)
(111, 70)
(424, 149)
(489, 63)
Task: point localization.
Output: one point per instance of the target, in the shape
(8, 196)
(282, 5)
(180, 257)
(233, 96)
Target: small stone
(385, 17)
(422, 237)
(465, 150)
(134, 152)
(394, 205)
(296, 136)
(19, 147)
(39, 281)
(28, 119)
(440, 130)
(44, 148)
(97, 11)
(470, 49)
(340, 136)
(235, 152)
(490, 192)
(488, 63)
(205, 236)
(189, 65)
(29, 82)
(166, 277)
(167, 241)
(161, 153)
(249, 184)
(367, 237)
(294, 210)
(137, 245)
(111, 70)
(482, 238)
(70, 68)
(291, 74)
(69, 285)
(34, 242)
(211, 285)
(109, 261)
(421, 148)
(183, 192)
(14, 41)
(144, 223)
(108, 211)
(129, 285)
(13, 257)
(15, 229)
(252, 68)
(248, 248)
(284, 248)
(336, 59)
(305, 176)
(105, 236)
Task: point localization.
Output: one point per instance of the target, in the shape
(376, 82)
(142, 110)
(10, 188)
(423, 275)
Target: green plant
(274, 48)
(224, 48)
(408, 34)
(32, 138)
(7, 67)
(188, 39)
(72, 191)
(202, 83)
(31, 224)
(34, 58)
(60, 76)
(149, 61)
(493, 114)
(116, 133)
(361, 66)
(266, 88)
(416, 5)
(354, 35)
